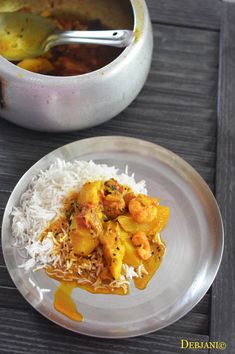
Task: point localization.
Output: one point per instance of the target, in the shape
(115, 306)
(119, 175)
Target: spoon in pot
(30, 35)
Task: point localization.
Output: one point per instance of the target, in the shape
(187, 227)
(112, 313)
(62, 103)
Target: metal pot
(50, 103)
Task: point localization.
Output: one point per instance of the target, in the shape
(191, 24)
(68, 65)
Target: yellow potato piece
(36, 65)
(163, 216)
(131, 257)
(113, 248)
(127, 223)
(90, 193)
(83, 242)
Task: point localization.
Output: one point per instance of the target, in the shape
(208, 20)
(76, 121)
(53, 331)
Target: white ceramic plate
(193, 237)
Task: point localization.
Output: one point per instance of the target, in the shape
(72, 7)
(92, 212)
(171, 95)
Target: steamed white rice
(43, 200)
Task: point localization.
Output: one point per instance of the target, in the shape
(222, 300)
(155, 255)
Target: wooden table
(188, 106)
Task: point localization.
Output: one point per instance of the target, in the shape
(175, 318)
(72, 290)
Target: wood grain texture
(5, 279)
(200, 13)
(176, 109)
(36, 335)
(1, 256)
(223, 299)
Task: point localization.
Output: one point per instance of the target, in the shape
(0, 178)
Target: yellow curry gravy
(127, 227)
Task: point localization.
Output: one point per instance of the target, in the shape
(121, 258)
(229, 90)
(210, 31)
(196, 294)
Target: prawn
(140, 240)
(143, 209)
(114, 205)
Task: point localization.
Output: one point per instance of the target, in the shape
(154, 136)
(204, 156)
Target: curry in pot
(72, 59)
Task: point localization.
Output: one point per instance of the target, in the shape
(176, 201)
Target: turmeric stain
(137, 35)
(139, 21)
(64, 303)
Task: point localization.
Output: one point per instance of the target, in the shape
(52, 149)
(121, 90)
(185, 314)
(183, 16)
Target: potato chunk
(113, 248)
(83, 237)
(83, 242)
(131, 257)
(90, 193)
(37, 65)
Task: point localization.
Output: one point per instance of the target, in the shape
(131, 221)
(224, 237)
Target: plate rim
(153, 146)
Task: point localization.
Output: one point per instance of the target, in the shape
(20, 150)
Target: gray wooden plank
(4, 195)
(5, 279)
(223, 290)
(23, 332)
(204, 305)
(1, 257)
(11, 298)
(192, 323)
(199, 14)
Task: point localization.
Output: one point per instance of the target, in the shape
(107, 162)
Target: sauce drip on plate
(64, 303)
